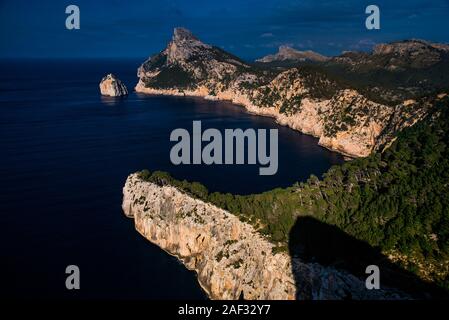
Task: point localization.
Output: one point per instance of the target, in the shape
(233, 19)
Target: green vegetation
(230, 242)
(389, 87)
(372, 79)
(221, 55)
(237, 264)
(171, 77)
(155, 62)
(395, 200)
(267, 97)
(221, 254)
(342, 120)
(291, 106)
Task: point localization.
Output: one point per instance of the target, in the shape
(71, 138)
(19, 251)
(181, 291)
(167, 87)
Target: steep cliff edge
(229, 256)
(351, 119)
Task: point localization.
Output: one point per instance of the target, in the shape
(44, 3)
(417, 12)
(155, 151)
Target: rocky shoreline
(358, 143)
(231, 259)
(344, 119)
(250, 108)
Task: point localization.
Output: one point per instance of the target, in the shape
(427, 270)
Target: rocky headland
(111, 86)
(232, 260)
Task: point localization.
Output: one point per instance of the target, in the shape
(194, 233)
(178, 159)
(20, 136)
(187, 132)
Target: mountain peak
(183, 34)
(183, 46)
(284, 49)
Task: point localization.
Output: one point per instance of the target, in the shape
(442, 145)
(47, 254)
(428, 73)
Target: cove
(66, 153)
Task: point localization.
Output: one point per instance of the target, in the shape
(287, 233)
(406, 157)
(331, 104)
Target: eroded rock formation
(228, 255)
(111, 86)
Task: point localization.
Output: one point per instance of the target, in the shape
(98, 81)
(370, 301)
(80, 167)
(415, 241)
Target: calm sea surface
(65, 153)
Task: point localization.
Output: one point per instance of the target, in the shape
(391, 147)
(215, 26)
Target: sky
(249, 29)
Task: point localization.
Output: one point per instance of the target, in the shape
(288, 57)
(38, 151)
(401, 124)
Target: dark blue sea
(65, 153)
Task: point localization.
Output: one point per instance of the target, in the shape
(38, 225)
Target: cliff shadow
(314, 241)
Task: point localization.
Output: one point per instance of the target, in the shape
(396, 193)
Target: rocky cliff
(111, 86)
(351, 118)
(230, 258)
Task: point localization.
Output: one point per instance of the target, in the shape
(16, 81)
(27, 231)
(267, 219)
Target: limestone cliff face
(111, 86)
(348, 122)
(229, 256)
(341, 117)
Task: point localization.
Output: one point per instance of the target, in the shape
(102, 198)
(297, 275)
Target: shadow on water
(113, 101)
(315, 241)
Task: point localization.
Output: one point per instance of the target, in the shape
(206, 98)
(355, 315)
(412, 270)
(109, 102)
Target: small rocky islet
(111, 86)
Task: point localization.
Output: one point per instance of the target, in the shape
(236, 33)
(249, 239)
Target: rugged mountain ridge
(397, 56)
(286, 53)
(232, 259)
(353, 120)
(388, 209)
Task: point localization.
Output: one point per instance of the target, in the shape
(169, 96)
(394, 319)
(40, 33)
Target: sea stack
(111, 86)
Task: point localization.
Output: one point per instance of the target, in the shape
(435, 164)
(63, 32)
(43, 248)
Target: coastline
(230, 258)
(293, 122)
(228, 255)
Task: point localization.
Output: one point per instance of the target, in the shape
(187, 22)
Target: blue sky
(250, 29)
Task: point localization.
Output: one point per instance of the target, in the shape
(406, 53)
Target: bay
(65, 155)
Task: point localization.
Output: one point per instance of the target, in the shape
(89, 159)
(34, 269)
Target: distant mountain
(394, 71)
(286, 53)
